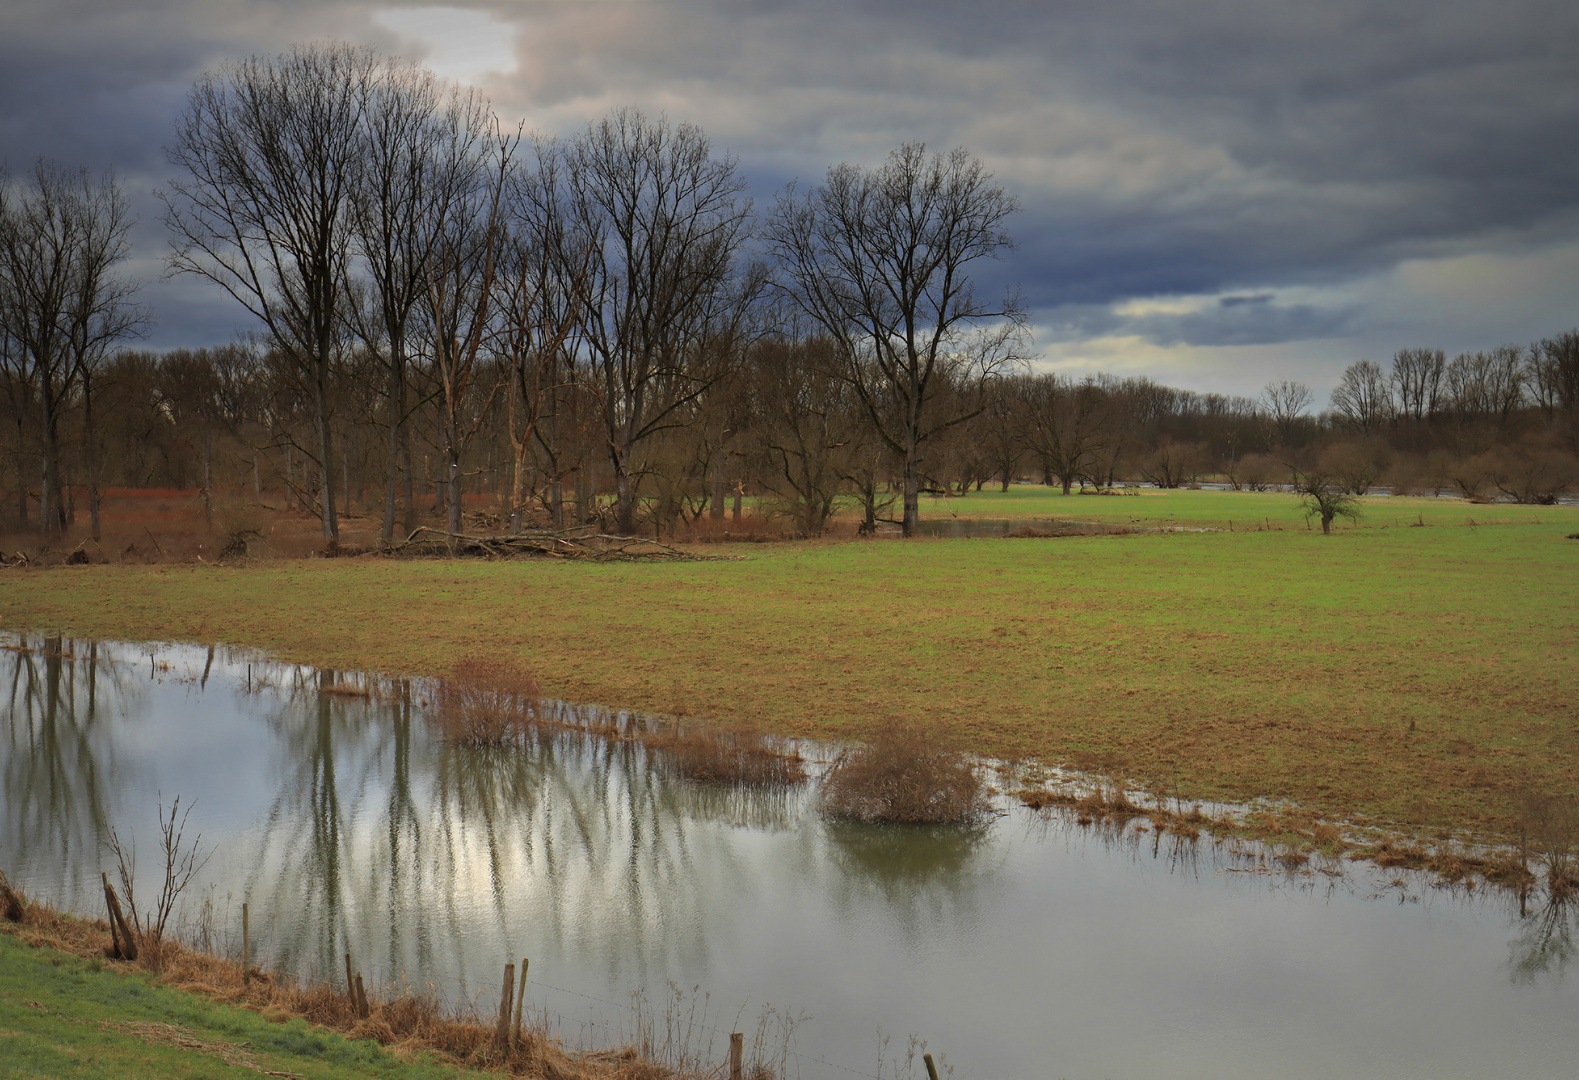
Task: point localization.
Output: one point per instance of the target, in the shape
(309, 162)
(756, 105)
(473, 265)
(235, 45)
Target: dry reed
(719, 756)
(484, 703)
(903, 775)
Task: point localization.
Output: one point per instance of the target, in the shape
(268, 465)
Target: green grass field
(63, 1016)
(1417, 675)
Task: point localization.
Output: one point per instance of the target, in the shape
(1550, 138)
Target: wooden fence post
(932, 1070)
(502, 1033)
(361, 998)
(737, 1046)
(520, 998)
(246, 948)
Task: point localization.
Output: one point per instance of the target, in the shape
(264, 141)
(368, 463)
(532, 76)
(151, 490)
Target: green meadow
(1422, 668)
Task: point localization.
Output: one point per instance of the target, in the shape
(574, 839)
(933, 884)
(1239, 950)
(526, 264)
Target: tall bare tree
(1065, 425)
(270, 148)
(881, 259)
(1417, 380)
(654, 224)
(62, 235)
(1286, 401)
(419, 153)
(1363, 397)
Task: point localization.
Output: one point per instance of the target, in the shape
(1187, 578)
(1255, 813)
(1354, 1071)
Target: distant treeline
(602, 327)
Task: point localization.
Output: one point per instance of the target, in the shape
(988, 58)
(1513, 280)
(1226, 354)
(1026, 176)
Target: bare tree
(418, 151)
(458, 307)
(808, 423)
(61, 236)
(1363, 397)
(882, 260)
(271, 152)
(653, 224)
(1064, 424)
(1286, 401)
(1417, 380)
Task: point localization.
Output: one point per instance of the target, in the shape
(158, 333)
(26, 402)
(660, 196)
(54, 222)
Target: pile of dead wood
(585, 542)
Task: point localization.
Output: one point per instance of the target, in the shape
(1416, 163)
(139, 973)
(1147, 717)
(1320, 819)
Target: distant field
(1413, 674)
(1225, 509)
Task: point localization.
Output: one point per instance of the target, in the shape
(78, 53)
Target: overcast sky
(1215, 194)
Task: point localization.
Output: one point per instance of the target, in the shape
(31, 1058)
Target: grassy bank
(1422, 675)
(66, 1015)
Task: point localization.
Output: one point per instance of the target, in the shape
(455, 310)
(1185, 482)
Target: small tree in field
(1325, 497)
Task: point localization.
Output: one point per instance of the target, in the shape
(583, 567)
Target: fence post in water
(502, 1034)
(737, 1045)
(361, 998)
(246, 948)
(520, 998)
(932, 1070)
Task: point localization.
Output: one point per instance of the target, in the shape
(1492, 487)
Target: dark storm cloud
(1157, 148)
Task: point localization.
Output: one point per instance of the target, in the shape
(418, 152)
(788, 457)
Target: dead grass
(485, 703)
(904, 775)
(710, 755)
(410, 1020)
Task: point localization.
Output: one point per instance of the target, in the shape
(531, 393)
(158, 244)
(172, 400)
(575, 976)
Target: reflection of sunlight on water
(349, 827)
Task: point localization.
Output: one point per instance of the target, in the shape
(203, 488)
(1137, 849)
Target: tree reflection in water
(1545, 944)
(62, 772)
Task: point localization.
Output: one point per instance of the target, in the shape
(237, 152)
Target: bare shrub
(484, 703)
(904, 775)
(182, 863)
(1549, 828)
(716, 756)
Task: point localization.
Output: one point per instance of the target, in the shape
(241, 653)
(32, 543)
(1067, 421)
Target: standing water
(1027, 948)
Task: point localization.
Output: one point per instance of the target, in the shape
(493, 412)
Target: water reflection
(1545, 944)
(349, 827)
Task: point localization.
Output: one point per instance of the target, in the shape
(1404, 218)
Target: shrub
(903, 775)
(484, 703)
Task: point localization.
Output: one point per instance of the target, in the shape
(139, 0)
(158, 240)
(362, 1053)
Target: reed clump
(721, 756)
(484, 703)
(904, 775)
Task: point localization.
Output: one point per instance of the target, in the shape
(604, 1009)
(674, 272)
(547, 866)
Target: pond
(1029, 948)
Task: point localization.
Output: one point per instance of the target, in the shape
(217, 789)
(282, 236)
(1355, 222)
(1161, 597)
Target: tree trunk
(740, 491)
(1326, 524)
(912, 493)
(556, 502)
(208, 479)
(717, 510)
(396, 421)
(92, 449)
(410, 523)
(453, 468)
(625, 502)
(51, 510)
(331, 523)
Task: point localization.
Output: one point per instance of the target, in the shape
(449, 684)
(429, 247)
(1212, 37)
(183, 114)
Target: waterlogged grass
(1422, 675)
(64, 1016)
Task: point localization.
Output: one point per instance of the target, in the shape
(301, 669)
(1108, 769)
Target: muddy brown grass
(904, 775)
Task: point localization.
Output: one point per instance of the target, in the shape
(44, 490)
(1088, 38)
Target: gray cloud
(1225, 148)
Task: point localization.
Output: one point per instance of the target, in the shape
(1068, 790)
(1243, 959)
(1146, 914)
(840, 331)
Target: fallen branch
(581, 543)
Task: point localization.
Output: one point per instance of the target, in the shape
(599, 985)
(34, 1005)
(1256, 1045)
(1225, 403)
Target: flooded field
(1030, 947)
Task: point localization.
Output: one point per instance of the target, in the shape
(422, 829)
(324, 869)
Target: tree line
(603, 327)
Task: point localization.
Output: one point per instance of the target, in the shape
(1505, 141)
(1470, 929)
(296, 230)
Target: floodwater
(1030, 948)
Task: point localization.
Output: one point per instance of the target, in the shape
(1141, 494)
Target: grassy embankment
(1415, 675)
(65, 1015)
